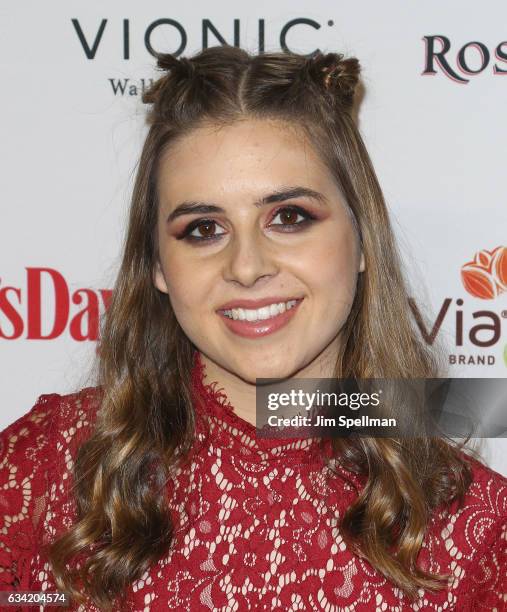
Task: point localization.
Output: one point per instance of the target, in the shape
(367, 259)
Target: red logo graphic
(486, 276)
(26, 310)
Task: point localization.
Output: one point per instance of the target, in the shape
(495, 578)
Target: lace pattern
(257, 521)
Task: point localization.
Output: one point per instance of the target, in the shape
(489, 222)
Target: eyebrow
(280, 195)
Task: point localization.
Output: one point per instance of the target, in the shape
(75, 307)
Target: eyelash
(308, 219)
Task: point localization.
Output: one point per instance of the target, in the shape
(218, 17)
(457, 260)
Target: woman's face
(248, 212)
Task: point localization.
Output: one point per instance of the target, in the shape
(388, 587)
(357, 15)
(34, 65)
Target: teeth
(260, 314)
(274, 309)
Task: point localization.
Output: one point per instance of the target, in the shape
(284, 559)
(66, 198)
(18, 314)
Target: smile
(253, 323)
(266, 312)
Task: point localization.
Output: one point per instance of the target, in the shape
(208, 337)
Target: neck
(242, 394)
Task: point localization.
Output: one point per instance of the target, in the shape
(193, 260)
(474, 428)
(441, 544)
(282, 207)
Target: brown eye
(203, 230)
(292, 216)
(289, 216)
(206, 229)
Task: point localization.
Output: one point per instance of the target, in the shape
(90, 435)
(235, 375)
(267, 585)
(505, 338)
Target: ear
(159, 279)
(362, 265)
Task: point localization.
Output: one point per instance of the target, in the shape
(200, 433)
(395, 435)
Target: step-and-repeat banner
(432, 116)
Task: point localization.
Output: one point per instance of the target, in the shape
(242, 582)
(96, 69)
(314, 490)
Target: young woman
(151, 490)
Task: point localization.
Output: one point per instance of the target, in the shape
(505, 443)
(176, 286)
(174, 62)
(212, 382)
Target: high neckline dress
(256, 520)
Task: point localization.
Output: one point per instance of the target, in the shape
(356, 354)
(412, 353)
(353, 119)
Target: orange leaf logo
(485, 276)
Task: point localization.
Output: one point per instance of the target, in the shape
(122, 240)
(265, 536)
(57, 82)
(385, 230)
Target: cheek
(188, 284)
(331, 258)
(333, 267)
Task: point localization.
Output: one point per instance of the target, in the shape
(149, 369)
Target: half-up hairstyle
(145, 423)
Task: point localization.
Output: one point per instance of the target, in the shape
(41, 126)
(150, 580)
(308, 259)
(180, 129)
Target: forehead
(247, 156)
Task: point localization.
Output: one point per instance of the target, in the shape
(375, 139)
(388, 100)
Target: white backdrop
(70, 141)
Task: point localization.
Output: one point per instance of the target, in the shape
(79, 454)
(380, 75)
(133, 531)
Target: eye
(201, 230)
(289, 217)
(204, 230)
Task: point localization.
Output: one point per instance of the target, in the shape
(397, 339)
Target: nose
(248, 259)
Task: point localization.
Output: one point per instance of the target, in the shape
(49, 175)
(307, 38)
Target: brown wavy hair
(146, 422)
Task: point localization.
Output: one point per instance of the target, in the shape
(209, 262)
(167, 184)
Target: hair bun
(181, 67)
(337, 74)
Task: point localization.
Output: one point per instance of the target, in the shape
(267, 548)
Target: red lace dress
(257, 521)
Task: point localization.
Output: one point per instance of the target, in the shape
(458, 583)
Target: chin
(268, 371)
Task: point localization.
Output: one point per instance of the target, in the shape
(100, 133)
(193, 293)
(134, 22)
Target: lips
(255, 304)
(261, 327)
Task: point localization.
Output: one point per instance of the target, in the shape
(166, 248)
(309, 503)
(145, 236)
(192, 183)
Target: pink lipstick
(256, 318)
